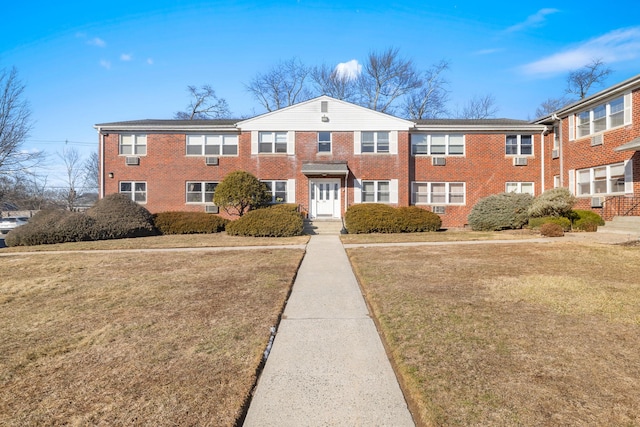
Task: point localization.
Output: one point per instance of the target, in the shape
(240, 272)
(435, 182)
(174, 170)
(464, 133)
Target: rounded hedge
(381, 218)
(500, 212)
(551, 229)
(118, 217)
(536, 223)
(586, 220)
(267, 222)
(189, 223)
(553, 202)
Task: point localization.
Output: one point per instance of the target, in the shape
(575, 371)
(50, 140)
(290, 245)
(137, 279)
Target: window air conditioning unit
(596, 140)
(438, 161)
(554, 153)
(212, 209)
(211, 161)
(132, 161)
(438, 209)
(519, 161)
(596, 202)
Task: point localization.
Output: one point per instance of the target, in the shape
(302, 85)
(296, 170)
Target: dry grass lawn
(511, 334)
(136, 339)
(451, 235)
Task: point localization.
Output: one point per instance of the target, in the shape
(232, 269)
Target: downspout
(542, 134)
(557, 119)
(102, 174)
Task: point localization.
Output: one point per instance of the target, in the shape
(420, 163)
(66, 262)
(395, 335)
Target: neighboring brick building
(326, 155)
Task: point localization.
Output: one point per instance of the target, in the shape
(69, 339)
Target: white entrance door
(325, 198)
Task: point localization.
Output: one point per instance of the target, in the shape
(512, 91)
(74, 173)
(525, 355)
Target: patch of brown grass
(132, 339)
(168, 241)
(512, 334)
(451, 235)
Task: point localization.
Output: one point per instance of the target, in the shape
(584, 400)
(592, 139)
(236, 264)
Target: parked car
(8, 224)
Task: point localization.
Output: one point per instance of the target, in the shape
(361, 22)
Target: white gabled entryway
(324, 198)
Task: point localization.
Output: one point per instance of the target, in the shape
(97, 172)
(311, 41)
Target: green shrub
(240, 192)
(285, 206)
(551, 229)
(118, 217)
(536, 223)
(188, 222)
(268, 222)
(586, 220)
(53, 226)
(500, 211)
(553, 202)
(381, 218)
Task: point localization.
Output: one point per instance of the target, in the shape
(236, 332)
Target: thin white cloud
(126, 57)
(349, 70)
(615, 46)
(105, 64)
(97, 41)
(487, 51)
(532, 21)
(150, 61)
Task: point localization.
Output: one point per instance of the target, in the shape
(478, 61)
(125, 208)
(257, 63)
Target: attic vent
(324, 106)
(519, 161)
(132, 161)
(212, 209)
(438, 209)
(438, 161)
(596, 140)
(211, 161)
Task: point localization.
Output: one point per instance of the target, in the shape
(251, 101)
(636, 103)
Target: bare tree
(430, 100)
(386, 78)
(550, 105)
(479, 107)
(15, 124)
(328, 81)
(90, 171)
(581, 80)
(282, 86)
(74, 169)
(204, 105)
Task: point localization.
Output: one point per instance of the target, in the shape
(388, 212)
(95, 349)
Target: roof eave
(482, 128)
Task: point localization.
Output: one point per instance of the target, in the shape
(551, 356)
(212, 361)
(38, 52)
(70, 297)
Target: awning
(633, 145)
(325, 169)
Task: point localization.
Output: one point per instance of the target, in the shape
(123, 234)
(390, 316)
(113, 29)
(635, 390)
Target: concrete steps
(629, 225)
(322, 226)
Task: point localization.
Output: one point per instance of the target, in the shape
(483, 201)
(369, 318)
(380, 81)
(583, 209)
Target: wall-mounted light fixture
(110, 174)
(325, 118)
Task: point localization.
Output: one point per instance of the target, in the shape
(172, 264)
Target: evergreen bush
(553, 202)
(536, 223)
(500, 212)
(118, 217)
(188, 222)
(274, 221)
(381, 218)
(586, 220)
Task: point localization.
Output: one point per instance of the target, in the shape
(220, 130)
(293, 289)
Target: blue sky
(109, 61)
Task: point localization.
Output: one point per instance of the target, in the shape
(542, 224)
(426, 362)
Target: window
(374, 142)
(200, 192)
(277, 190)
(437, 144)
(136, 190)
(519, 145)
(556, 181)
(440, 193)
(600, 180)
(519, 187)
(133, 145)
(376, 191)
(601, 117)
(272, 142)
(324, 142)
(212, 145)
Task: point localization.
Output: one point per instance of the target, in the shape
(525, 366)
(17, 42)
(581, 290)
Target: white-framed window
(277, 190)
(602, 117)
(200, 192)
(272, 142)
(437, 144)
(212, 145)
(324, 142)
(556, 137)
(133, 145)
(374, 142)
(609, 179)
(519, 145)
(376, 191)
(137, 190)
(556, 181)
(438, 193)
(519, 187)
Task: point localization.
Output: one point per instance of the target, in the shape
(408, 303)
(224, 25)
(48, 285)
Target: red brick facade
(484, 168)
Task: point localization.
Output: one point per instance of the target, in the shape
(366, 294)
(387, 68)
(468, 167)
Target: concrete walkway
(327, 366)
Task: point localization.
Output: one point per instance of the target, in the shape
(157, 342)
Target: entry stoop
(322, 226)
(629, 225)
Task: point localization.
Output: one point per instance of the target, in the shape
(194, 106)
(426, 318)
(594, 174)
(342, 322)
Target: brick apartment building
(326, 155)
